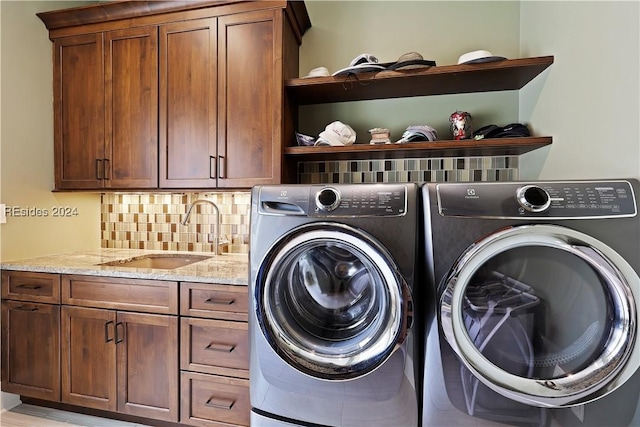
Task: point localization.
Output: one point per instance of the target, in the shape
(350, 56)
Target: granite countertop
(229, 269)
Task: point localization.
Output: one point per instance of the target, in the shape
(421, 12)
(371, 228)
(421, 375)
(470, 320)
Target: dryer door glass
(543, 314)
(331, 302)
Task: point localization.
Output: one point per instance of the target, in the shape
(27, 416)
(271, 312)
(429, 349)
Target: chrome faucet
(215, 236)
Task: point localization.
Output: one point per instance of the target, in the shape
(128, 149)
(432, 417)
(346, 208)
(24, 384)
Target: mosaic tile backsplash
(450, 169)
(153, 221)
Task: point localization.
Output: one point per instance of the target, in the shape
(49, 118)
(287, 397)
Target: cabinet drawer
(208, 400)
(214, 301)
(28, 286)
(149, 296)
(215, 347)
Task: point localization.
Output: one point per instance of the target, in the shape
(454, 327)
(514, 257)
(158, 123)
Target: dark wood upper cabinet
(105, 110)
(131, 118)
(188, 104)
(250, 89)
(176, 95)
(78, 98)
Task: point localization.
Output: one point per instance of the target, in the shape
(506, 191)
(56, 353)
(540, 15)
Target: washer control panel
(339, 200)
(571, 199)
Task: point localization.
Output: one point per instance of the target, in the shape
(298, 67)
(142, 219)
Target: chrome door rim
(311, 361)
(605, 374)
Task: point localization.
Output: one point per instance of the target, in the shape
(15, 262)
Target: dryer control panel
(550, 199)
(339, 200)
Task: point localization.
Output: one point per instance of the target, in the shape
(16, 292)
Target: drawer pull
(225, 348)
(220, 403)
(30, 287)
(23, 308)
(218, 301)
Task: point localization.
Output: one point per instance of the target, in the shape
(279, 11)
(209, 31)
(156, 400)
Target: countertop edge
(124, 274)
(229, 270)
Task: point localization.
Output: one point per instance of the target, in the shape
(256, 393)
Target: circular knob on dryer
(533, 198)
(328, 199)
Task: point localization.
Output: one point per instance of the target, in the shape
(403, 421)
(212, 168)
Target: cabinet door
(148, 365)
(89, 358)
(31, 349)
(250, 88)
(79, 112)
(131, 90)
(188, 111)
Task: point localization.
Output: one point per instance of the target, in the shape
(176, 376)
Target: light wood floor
(25, 415)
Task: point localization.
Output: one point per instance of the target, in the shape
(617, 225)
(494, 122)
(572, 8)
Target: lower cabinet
(121, 362)
(31, 334)
(120, 345)
(161, 350)
(209, 400)
(214, 355)
(31, 349)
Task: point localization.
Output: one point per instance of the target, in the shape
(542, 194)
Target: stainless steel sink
(158, 261)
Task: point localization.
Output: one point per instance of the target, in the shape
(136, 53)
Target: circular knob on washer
(328, 199)
(533, 198)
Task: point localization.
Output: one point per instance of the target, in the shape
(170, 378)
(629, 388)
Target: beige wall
(26, 142)
(589, 99)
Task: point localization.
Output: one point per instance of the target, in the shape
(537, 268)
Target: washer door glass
(331, 302)
(543, 314)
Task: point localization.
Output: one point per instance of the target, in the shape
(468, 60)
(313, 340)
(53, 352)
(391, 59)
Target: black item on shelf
(513, 130)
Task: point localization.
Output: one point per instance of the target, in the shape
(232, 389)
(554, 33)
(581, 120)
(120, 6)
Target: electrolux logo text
(471, 194)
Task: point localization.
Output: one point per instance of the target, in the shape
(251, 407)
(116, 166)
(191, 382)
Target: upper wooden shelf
(510, 74)
(463, 148)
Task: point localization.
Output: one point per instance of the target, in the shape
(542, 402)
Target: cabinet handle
(107, 338)
(105, 173)
(30, 287)
(99, 170)
(222, 170)
(220, 403)
(119, 337)
(224, 348)
(23, 308)
(212, 167)
(219, 301)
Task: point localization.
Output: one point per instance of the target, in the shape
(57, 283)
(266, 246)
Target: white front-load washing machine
(532, 318)
(331, 305)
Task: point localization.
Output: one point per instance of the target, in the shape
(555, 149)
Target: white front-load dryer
(331, 305)
(533, 315)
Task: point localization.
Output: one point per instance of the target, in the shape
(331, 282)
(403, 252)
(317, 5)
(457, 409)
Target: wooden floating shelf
(510, 74)
(463, 148)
